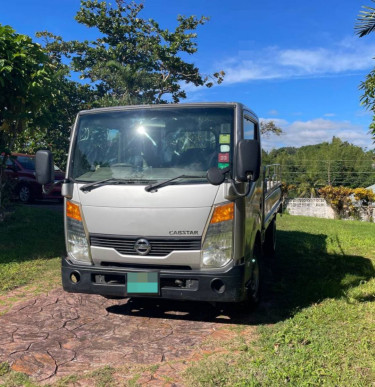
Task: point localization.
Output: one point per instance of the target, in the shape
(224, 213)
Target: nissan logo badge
(142, 246)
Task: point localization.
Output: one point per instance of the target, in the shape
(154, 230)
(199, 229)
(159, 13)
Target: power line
(330, 160)
(334, 160)
(337, 173)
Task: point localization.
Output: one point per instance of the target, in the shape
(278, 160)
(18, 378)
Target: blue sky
(298, 63)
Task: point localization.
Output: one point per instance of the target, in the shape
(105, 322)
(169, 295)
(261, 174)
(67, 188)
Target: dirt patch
(60, 334)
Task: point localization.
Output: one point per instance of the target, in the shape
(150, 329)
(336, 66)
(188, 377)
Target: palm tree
(309, 187)
(365, 21)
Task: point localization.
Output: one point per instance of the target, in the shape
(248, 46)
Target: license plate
(143, 283)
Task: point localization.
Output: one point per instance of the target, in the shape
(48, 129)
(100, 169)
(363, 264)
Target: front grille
(160, 247)
(144, 266)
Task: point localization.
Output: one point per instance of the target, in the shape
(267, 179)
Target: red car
(20, 168)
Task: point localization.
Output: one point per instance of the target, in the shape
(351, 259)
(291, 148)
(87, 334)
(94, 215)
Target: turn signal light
(223, 213)
(73, 211)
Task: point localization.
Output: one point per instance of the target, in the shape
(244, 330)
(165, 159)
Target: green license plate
(139, 283)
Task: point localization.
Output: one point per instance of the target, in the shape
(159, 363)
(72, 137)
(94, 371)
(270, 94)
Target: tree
(335, 163)
(67, 99)
(133, 60)
(25, 80)
(308, 188)
(269, 127)
(364, 26)
(365, 21)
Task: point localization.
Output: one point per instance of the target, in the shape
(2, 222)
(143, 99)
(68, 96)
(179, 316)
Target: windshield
(152, 144)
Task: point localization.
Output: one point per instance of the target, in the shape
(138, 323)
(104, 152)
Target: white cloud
(347, 56)
(277, 121)
(322, 124)
(300, 133)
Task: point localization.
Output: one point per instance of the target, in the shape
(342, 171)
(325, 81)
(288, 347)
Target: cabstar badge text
(183, 233)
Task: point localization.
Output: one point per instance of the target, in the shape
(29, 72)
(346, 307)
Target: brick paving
(59, 334)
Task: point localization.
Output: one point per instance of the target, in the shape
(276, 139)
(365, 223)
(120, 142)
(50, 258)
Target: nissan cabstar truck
(167, 201)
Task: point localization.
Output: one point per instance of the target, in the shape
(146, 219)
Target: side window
(27, 162)
(248, 129)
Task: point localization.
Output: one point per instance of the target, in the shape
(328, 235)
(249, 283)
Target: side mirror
(216, 176)
(44, 169)
(248, 160)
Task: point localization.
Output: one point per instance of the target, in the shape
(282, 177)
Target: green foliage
(269, 127)
(4, 368)
(134, 60)
(59, 112)
(365, 21)
(339, 198)
(365, 196)
(25, 83)
(311, 167)
(368, 96)
(366, 25)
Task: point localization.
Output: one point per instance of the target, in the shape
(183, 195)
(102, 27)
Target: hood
(175, 210)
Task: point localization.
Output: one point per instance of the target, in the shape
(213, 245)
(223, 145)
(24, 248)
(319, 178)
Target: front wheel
(255, 282)
(253, 286)
(24, 194)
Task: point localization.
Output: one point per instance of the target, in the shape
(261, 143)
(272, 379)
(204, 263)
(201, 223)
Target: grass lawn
(317, 324)
(31, 243)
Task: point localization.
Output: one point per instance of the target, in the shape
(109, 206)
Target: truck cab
(167, 201)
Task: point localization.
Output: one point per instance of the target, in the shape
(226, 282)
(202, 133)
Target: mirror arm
(239, 194)
(52, 186)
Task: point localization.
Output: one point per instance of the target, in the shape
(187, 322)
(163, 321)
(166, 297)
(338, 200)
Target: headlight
(76, 241)
(217, 246)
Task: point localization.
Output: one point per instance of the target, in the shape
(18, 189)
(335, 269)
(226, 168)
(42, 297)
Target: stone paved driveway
(59, 334)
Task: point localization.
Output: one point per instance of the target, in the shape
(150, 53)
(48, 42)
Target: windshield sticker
(223, 157)
(224, 139)
(223, 165)
(224, 148)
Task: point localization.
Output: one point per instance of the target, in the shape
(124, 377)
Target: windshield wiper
(152, 187)
(100, 183)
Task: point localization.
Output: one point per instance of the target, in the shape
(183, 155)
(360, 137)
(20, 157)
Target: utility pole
(329, 172)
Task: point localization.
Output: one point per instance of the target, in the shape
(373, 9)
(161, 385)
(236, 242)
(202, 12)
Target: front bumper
(224, 286)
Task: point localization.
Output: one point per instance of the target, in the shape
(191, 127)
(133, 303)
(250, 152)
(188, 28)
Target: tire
(253, 288)
(269, 246)
(254, 285)
(24, 194)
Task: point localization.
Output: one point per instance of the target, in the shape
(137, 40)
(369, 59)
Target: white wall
(316, 207)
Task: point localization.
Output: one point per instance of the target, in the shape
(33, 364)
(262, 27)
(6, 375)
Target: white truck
(167, 201)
